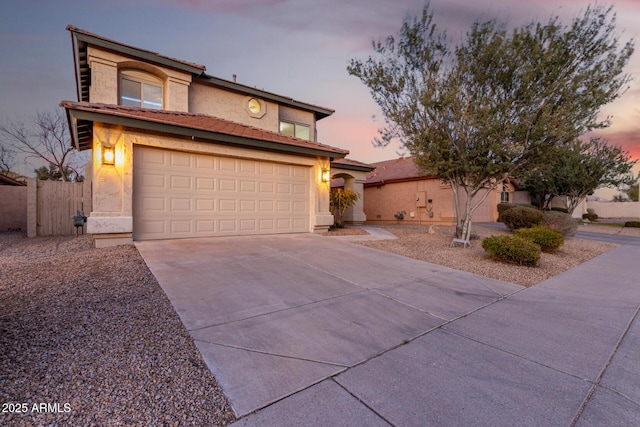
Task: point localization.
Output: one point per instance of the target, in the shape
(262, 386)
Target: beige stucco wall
(381, 203)
(104, 79)
(212, 101)
(112, 214)
(13, 207)
(614, 209)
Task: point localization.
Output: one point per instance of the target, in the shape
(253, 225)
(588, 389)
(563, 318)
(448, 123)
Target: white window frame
(295, 128)
(504, 194)
(142, 78)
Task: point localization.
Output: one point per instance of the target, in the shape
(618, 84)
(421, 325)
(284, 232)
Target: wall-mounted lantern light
(326, 176)
(108, 155)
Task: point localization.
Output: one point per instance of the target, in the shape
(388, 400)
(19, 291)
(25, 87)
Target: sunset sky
(297, 48)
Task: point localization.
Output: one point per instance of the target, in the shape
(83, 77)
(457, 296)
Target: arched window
(140, 89)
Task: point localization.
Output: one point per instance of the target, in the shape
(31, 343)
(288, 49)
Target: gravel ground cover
(90, 334)
(415, 241)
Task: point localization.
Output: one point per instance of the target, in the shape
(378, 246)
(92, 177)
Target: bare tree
(46, 139)
(7, 159)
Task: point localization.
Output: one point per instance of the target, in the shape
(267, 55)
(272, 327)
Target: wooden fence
(52, 204)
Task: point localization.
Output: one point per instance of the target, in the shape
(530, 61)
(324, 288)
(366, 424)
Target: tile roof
(212, 128)
(400, 169)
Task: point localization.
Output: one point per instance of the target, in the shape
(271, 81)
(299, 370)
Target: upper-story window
(295, 129)
(140, 89)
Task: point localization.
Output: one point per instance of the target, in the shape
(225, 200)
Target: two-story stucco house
(177, 153)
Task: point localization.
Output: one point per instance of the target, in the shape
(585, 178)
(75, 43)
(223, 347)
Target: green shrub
(635, 224)
(521, 217)
(503, 207)
(512, 249)
(561, 222)
(563, 210)
(590, 216)
(548, 239)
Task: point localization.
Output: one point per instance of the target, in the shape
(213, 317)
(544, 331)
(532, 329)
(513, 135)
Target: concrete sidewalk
(306, 330)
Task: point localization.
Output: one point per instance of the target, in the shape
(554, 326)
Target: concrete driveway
(311, 330)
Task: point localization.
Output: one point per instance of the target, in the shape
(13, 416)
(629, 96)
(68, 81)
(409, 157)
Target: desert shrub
(560, 221)
(563, 210)
(635, 224)
(548, 239)
(591, 216)
(512, 249)
(521, 217)
(339, 201)
(503, 207)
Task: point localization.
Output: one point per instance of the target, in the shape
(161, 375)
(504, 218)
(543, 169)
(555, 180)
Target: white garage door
(177, 194)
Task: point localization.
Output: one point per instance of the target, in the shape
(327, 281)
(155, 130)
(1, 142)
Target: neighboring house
(347, 173)
(178, 153)
(397, 191)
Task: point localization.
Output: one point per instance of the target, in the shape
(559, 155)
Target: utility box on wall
(421, 199)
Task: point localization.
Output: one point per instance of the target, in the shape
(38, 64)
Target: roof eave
(351, 167)
(398, 180)
(133, 52)
(319, 112)
(137, 123)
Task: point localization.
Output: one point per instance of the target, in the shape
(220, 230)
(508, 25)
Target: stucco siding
(382, 202)
(104, 79)
(212, 101)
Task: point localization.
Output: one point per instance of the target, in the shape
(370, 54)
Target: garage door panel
(299, 189)
(300, 172)
(153, 204)
(180, 195)
(179, 159)
(181, 182)
(206, 162)
(284, 188)
(228, 205)
(227, 184)
(228, 226)
(205, 206)
(180, 204)
(153, 180)
(266, 187)
(248, 186)
(266, 168)
(248, 167)
(248, 206)
(180, 226)
(205, 226)
(227, 165)
(205, 184)
(266, 205)
(248, 225)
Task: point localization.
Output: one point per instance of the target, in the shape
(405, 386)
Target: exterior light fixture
(108, 155)
(326, 177)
